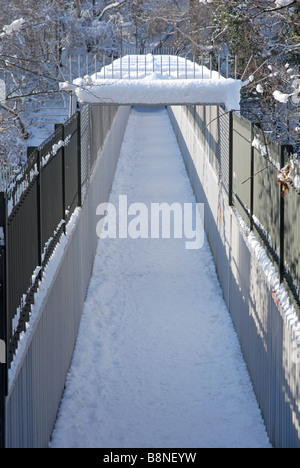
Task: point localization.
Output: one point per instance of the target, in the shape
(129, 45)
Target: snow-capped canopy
(156, 80)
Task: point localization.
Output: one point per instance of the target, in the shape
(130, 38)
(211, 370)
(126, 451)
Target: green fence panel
(242, 165)
(267, 191)
(292, 236)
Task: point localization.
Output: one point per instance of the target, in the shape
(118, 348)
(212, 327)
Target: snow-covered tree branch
(110, 7)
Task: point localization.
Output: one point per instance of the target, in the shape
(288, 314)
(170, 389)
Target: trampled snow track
(157, 362)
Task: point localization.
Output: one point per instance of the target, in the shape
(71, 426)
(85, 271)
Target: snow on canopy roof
(156, 80)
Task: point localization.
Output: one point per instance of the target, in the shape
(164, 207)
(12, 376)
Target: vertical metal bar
(3, 319)
(39, 207)
(63, 167)
(282, 213)
(194, 62)
(252, 181)
(79, 157)
(70, 65)
(235, 67)
(63, 162)
(284, 149)
(230, 181)
(227, 67)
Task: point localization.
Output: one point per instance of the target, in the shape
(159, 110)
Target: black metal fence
(34, 209)
(38, 204)
(247, 163)
(270, 211)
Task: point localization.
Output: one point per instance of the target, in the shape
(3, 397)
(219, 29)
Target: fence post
(79, 156)
(230, 182)
(62, 127)
(252, 180)
(285, 150)
(3, 318)
(63, 178)
(281, 260)
(39, 207)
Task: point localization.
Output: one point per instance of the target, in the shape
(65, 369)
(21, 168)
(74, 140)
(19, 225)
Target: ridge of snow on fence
(155, 80)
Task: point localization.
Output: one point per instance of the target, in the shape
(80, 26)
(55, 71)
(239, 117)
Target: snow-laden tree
(32, 36)
(265, 35)
(35, 40)
(37, 37)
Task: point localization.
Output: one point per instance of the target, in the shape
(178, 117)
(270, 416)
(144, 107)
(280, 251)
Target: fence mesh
(37, 202)
(224, 150)
(85, 150)
(272, 213)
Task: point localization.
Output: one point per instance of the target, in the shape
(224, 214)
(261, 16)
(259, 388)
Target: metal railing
(268, 210)
(247, 164)
(140, 62)
(37, 204)
(35, 207)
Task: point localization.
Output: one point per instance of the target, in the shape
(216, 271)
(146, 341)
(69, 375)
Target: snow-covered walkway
(157, 362)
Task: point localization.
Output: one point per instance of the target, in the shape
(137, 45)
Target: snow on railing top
(155, 80)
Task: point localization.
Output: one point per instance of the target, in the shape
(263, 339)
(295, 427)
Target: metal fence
(135, 59)
(93, 137)
(272, 213)
(37, 204)
(267, 334)
(247, 164)
(34, 209)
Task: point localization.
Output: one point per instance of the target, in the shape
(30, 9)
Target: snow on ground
(154, 80)
(157, 362)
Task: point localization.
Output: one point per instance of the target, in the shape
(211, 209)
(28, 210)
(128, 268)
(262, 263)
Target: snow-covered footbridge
(157, 362)
(156, 80)
(155, 318)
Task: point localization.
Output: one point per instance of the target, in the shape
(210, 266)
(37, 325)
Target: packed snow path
(157, 362)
